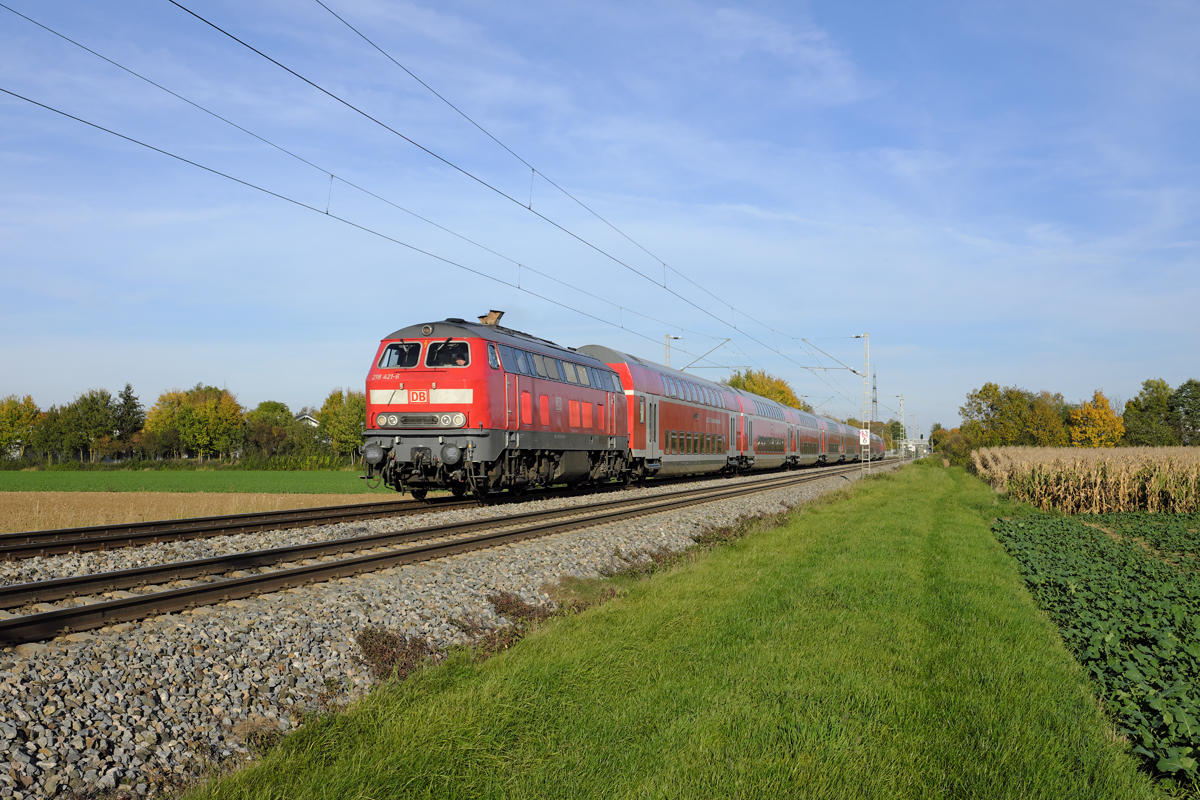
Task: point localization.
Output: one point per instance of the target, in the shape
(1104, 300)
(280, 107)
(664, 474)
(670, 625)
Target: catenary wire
(504, 194)
(547, 178)
(323, 213)
(351, 184)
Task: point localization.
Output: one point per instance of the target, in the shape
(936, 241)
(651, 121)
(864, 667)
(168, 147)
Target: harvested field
(34, 511)
(1095, 481)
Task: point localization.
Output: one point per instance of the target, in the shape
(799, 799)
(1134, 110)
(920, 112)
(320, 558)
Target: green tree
(18, 417)
(763, 384)
(1185, 410)
(1147, 417)
(90, 417)
(47, 439)
(267, 427)
(130, 415)
(341, 418)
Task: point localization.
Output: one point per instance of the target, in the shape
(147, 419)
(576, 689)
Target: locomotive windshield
(404, 355)
(448, 354)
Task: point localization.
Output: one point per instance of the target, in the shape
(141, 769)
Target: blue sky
(996, 192)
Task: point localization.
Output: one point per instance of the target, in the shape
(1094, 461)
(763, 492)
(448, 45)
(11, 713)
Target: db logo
(418, 397)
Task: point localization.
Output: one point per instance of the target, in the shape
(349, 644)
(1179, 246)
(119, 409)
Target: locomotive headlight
(451, 454)
(459, 420)
(393, 419)
(373, 453)
(381, 420)
(446, 420)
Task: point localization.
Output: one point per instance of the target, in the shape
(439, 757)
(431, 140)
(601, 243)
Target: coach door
(511, 410)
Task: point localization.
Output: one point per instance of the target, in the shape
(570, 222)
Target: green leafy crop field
(1124, 592)
(264, 482)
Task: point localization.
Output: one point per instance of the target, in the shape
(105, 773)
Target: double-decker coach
(681, 424)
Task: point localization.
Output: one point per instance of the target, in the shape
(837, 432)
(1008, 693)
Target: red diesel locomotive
(474, 407)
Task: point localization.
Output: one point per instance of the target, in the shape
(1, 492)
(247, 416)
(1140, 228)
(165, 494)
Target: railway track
(60, 541)
(282, 568)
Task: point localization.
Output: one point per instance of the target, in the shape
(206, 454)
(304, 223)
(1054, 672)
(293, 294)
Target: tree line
(204, 422)
(995, 417)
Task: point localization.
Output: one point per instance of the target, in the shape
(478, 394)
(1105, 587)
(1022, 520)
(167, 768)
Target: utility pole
(866, 462)
(668, 339)
(902, 425)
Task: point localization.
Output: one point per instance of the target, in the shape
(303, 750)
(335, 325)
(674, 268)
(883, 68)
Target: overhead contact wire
(484, 183)
(316, 210)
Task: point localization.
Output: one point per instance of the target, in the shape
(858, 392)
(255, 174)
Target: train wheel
(458, 491)
(418, 494)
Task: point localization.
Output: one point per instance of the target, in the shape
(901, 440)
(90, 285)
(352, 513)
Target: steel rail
(61, 541)
(45, 625)
(16, 595)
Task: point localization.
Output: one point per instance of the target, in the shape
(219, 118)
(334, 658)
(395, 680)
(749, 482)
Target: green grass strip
(264, 481)
(877, 646)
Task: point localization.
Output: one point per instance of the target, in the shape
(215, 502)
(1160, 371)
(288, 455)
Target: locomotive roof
(455, 327)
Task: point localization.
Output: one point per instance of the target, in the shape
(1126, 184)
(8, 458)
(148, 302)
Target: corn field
(1095, 481)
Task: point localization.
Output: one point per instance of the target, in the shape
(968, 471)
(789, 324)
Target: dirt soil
(35, 511)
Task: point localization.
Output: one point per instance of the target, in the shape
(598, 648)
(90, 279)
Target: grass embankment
(259, 482)
(880, 645)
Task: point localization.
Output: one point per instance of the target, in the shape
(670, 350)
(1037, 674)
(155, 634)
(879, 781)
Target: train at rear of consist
(478, 407)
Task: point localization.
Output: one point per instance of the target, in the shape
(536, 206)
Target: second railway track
(382, 551)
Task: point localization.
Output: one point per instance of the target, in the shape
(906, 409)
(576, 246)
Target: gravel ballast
(148, 704)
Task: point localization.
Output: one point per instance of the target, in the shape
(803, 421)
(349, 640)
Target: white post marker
(864, 440)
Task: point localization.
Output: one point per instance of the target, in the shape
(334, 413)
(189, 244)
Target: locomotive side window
(539, 364)
(522, 364)
(583, 375)
(508, 358)
(569, 369)
(558, 366)
(493, 359)
(401, 355)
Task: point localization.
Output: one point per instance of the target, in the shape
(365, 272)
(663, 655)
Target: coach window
(493, 359)
(539, 364)
(448, 354)
(402, 355)
(641, 409)
(581, 371)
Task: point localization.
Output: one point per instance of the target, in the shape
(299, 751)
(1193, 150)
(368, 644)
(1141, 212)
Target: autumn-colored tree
(342, 418)
(760, 382)
(203, 420)
(18, 417)
(1095, 424)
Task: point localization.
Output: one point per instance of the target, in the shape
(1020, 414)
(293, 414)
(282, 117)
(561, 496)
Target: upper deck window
(448, 354)
(401, 355)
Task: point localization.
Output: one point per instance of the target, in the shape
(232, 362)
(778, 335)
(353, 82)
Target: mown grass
(877, 646)
(258, 482)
